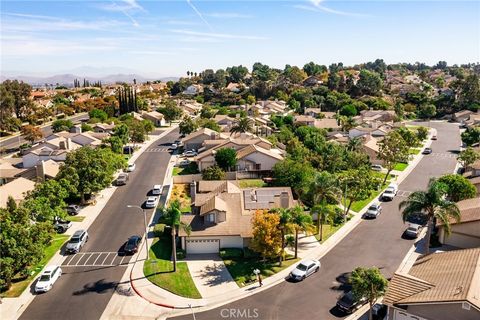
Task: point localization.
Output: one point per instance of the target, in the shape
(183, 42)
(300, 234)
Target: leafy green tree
(458, 187)
(408, 136)
(471, 136)
(32, 133)
(427, 111)
(137, 132)
(47, 200)
(432, 204)
(369, 83)
(348, 110)
(148, 126)
(99, 114)
(62, 125)
(91, 170)
(422, 133)
(226, 158)
(469, 97)
(213, 173)
(209, 123)
(207, 112)
(122, 132)
(301, 222)
(392, 149)
(171, 111)
(468, 157)
(86, 127)
(7, 107)
(187, 125)
(357, 185)
(324, 190)
(242, 125)
(312, 69)
(368, 283)
(172, 215)
(237, 73)
(285, 225)
(114, 143)
(294, 174)
(18, 97)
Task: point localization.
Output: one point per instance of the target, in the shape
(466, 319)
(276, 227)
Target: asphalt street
(90, 279)
(17, 141)
(376, 242)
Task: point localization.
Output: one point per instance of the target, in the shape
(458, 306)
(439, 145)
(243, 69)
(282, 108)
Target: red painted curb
(149, 301)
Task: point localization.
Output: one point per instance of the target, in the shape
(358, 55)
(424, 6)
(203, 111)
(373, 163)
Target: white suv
(77, 241)
(157, 189)
(151, 202)
(47, 279)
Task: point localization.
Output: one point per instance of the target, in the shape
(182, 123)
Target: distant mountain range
(106, 75)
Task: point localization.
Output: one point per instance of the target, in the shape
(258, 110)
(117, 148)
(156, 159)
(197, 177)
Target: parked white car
(305, 269)
(47, 279)
(373, 211)
(131, 167)
(157, 189)
(376, 167)
(413, 230)
(151, 202)
(390, 192)
(190, 153)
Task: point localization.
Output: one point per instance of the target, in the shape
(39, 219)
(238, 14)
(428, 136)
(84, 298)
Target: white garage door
(203, 246)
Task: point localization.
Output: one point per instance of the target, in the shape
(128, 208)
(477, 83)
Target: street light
(145, 223)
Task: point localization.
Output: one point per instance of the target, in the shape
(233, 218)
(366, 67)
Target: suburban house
(466, 232)
(462, 116)
(193, 89)
(17, 189)
(47, 170)
(439, 286)
(234, 87)
(475, 169)
(305, 120)
(370, 148)
(103, 127)
(9, 170)
(327, 123)
(222, 214)
(375, 115)
(313, 112)
(312, 81)
(156, 117)
(376, 132)
(253, 153)
(189, 106)
(196, 139)
(225, 122)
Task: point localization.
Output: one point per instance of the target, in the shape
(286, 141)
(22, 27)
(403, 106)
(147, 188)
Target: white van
(157, 189)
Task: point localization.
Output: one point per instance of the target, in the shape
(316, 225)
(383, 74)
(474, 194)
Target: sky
(168, 38)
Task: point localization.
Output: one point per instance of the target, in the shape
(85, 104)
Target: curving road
(372, 243)
(84, 292)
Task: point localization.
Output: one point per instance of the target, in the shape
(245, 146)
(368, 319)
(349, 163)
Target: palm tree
(301, 222)
(284, 225)
(173, 215)
(354, 144)
(242, 125)
(346, 123)
(325, 190)
(323, 213)
(433, 205)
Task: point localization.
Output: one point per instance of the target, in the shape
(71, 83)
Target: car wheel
(303, 278)
(318, 268)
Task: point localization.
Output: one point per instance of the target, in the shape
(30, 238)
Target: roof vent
(466, 305)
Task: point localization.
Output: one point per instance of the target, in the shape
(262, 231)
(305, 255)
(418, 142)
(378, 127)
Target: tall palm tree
(242, 125)
(324, 189)
(173, 215)
(323, 213)
(300, 222)
(284, 225)
(433, 205)
(354, 144)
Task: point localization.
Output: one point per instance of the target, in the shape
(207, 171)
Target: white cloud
(316, 6)
(217, 35)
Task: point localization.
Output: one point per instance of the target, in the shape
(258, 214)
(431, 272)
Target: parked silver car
(305, 269)
(77, 241)
(373, 211)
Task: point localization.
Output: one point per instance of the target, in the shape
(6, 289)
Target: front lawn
(327, 231)
(251, 183)
(192, 168)
(400, 166)
(181, 192)
(75, 218)
(159, 270)
(241, 269)
(19, 285)
(414, 151)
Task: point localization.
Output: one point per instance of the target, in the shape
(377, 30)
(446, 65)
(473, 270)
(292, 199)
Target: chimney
(284, 200)
(213, 136)
(68, 143)
(40, 171)
(193, 191)
(62, 145)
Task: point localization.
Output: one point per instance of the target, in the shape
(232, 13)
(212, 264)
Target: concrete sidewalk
(12, 308)
(159, 303)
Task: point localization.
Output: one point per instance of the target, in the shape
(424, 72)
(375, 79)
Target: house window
(210, 217)
(258, 166)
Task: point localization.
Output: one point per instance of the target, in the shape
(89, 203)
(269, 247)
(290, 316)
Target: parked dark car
(73, 209)
(131, 246)
(348, 304)
(60, 225)
(128, 150)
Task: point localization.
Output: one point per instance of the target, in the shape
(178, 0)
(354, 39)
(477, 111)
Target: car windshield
(132, 241)
(75, 240)
(302, 267)
(389, 190)
(45, 277)
(373, 208)
(412, 229)
(348, 298)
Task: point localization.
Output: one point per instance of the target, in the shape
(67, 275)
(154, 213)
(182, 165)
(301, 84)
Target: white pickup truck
(390, 192)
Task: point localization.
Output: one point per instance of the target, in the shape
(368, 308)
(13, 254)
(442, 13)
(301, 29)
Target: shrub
(158, 230)
(249, 253)
(181, 254)
(213, 173)
(231, 253)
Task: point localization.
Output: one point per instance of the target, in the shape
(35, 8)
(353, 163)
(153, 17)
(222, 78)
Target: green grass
(327, 231)
(357, 206)
(242, 269)
(159, 270)
(75, 218)
(251, 183)
(400, 166)
(190, 169)
(414, 151)
(176, 171)
(19, 286)
(381, 175)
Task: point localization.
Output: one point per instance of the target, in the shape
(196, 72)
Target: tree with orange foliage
(267, 238)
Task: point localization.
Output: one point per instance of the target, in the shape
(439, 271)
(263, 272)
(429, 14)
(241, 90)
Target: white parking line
(106, 258)
(94, 262)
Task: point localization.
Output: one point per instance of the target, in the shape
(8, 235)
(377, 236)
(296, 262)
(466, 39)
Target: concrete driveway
(210, 274)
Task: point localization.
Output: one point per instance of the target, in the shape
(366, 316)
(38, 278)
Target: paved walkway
(161, 303)
(210, 274)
